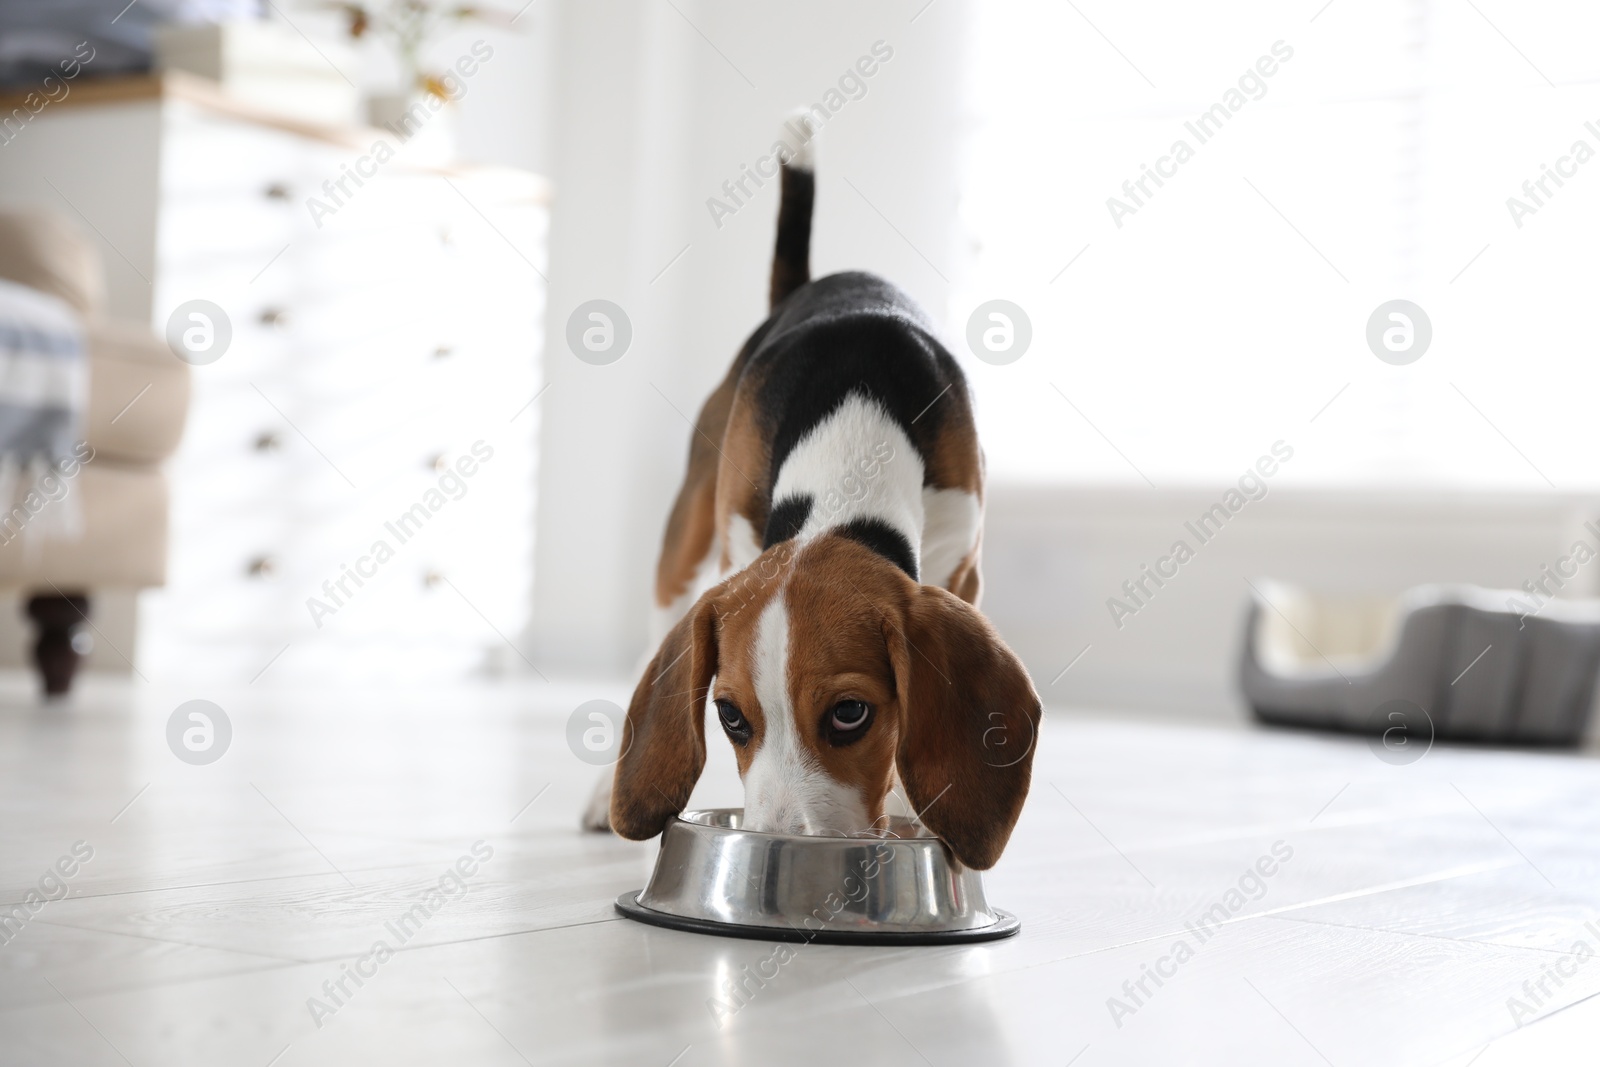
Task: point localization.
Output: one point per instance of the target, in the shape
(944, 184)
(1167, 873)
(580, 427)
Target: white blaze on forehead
(785, 790)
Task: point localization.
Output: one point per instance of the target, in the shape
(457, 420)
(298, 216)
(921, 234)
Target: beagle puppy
(835, 496)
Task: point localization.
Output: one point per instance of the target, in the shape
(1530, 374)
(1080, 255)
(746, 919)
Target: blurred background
(387, 215)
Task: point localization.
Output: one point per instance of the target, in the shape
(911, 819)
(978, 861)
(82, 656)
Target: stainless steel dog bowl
(712, 877)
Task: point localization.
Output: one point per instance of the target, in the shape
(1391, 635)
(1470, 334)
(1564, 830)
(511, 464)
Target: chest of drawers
(385, 322)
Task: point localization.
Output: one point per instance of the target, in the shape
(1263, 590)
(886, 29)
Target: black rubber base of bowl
(629, 906)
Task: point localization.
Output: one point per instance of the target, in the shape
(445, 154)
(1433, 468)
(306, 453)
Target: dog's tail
(791, 258)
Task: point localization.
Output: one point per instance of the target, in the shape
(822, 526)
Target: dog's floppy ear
(664, 738)
(969, 720)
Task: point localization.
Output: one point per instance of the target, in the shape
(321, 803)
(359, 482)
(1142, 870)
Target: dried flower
(409, 25)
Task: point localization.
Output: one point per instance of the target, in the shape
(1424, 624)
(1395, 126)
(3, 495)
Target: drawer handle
(268, 441)
(438, 464)
(432, 579)
(277, 191)
(274, 316)
(443, 352)
(264, 568)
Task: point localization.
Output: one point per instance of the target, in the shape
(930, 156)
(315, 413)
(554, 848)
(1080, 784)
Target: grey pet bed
(1479, 669)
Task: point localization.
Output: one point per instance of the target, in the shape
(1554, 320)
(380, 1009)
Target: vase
(420, 125)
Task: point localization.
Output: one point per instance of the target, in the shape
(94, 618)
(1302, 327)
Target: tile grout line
(1413, 933)
(282, 964)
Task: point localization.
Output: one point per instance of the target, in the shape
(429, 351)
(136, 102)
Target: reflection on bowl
(713, 877)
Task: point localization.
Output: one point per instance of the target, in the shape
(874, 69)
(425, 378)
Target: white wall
(1053, 556)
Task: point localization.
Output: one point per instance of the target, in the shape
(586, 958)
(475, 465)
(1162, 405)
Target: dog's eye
(849, 715)
(848, 721)
(733, 721)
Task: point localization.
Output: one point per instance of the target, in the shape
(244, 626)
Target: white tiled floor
(1417, 901)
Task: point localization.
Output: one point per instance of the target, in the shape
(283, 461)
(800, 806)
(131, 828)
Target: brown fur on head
(795, 644)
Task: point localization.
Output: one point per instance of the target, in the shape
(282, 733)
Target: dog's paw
(597, 815)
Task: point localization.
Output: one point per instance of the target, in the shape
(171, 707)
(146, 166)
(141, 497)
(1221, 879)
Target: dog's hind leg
(690, 537)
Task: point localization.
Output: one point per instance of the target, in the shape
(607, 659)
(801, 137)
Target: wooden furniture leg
(56, 618)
